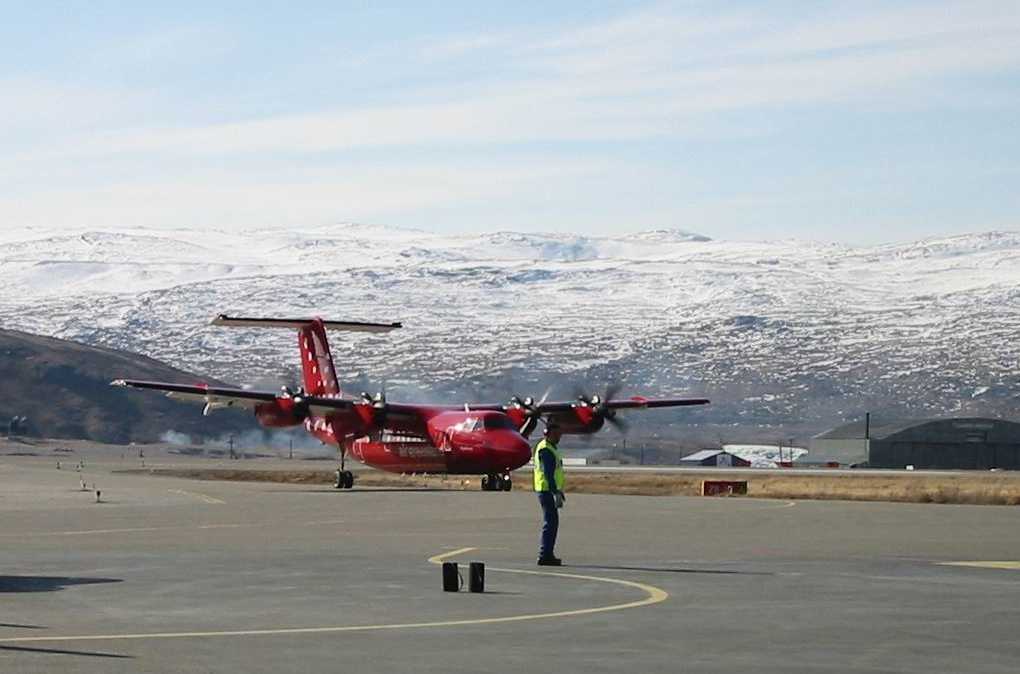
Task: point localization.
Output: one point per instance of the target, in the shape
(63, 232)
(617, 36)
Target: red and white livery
(469, 439)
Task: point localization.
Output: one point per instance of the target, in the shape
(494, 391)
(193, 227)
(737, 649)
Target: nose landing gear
(497, 482)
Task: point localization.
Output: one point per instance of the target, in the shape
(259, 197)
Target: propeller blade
(300, 407)
(545, 396)
(619, 424)
(532, 415)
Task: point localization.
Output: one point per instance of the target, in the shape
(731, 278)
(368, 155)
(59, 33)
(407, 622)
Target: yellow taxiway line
(654, 596)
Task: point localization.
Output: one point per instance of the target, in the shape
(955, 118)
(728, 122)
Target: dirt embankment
(978, 489)
(62, 389)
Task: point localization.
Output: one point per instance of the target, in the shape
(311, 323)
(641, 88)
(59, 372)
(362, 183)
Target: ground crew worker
(549, 481)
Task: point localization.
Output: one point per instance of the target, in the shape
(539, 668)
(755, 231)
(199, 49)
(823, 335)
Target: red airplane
(484, 439)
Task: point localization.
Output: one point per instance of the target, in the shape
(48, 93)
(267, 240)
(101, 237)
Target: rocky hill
(62, 388)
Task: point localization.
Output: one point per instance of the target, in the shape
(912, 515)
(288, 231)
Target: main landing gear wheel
(344, 479)
(496, 482)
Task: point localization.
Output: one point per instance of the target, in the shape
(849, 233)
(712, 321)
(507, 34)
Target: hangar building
(714, 457)
(965, 443)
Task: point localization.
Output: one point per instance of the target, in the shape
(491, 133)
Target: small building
(972, 443)
(714, 457)
(767, 456)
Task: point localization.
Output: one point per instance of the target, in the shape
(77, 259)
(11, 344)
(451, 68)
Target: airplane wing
(218, 397)
(633, 403)
(584, 414)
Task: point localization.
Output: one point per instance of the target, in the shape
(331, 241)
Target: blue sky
(858, 122)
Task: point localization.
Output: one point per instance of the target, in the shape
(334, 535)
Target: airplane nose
(522, 449)
(510, 450)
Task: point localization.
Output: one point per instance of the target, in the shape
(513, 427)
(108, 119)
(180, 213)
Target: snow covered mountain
(786, 337)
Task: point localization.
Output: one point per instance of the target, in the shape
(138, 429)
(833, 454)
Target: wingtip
(118, 382)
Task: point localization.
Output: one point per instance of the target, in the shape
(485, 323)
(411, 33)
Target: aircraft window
(496, 422)
(469, 425)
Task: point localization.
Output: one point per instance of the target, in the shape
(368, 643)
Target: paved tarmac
(171, 575)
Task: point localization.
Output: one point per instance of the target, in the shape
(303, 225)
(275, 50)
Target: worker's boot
(550, 561)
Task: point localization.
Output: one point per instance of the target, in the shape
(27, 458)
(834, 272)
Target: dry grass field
(977, 489)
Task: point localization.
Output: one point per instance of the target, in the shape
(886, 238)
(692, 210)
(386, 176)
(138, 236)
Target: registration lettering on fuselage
(413, 450)
(402, 438)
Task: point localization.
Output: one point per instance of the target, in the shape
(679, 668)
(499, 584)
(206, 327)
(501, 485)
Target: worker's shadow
(654, 569)
(47, 583)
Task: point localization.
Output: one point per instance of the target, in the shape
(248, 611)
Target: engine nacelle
(280, 413)
(579, 421)
(518, 415)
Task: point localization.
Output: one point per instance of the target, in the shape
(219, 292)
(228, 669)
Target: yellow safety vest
(541, 484)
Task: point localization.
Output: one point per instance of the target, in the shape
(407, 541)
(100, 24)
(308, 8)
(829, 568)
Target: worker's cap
(550, 427)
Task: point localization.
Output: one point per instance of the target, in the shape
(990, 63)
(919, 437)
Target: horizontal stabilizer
(348, 326)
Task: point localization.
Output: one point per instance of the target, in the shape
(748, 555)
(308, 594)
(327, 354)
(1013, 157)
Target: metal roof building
(713, 457)
(961, 443)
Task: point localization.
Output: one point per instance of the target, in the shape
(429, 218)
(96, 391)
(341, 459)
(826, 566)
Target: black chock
(451, 577)
(476, 577)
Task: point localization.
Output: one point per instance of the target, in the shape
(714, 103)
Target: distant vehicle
(469, 439)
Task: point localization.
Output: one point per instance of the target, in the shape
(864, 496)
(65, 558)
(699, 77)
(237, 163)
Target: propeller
(299, 405)
(532, 413)
(599, 406)
(377, 403)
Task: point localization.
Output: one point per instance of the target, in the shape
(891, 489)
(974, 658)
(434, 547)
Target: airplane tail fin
(316, 360)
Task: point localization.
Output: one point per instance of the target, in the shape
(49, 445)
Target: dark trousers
(550, 523)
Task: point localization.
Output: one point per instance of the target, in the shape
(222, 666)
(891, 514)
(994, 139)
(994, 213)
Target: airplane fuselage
(453, 442)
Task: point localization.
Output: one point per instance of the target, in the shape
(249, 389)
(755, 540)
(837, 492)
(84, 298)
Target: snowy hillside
(783, 336)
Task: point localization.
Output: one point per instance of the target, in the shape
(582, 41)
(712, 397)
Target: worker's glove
(561, 499)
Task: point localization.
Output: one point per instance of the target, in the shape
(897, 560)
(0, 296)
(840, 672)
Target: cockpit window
(469, 425)
(498, 421)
